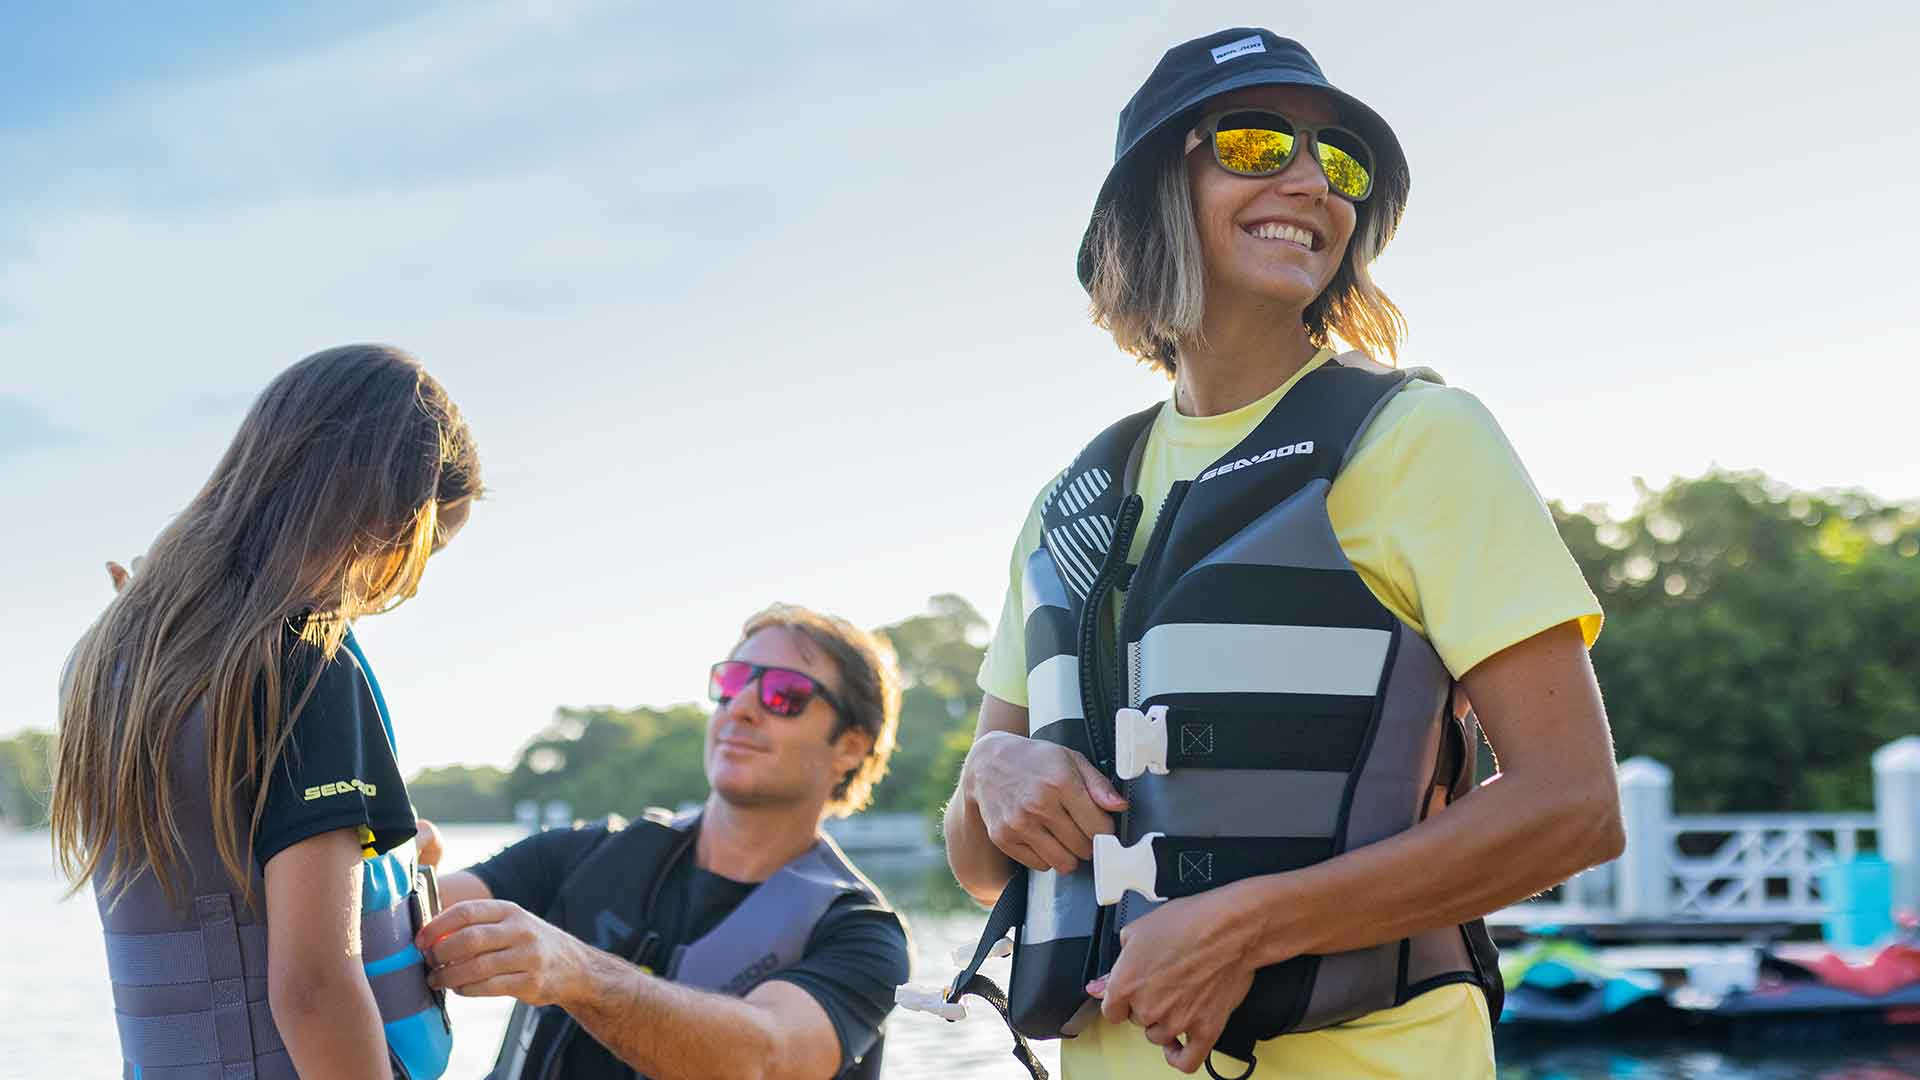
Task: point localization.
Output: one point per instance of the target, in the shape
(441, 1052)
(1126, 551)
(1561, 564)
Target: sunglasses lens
(785, 693)
(1253, 144)
(728, 678)
(1347, 163)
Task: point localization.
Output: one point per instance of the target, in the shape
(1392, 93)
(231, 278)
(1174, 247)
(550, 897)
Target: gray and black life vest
(190, 984)
(1260, 710)
(608, 900)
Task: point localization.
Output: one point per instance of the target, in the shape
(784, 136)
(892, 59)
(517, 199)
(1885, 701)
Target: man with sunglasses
(735, 940)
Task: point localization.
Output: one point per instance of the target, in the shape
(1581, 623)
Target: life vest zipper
(1096, 690)
(1156, 540)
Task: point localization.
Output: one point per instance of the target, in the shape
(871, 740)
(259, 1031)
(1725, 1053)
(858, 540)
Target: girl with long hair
(226, 760)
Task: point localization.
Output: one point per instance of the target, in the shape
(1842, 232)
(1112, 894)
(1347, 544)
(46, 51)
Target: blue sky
(755, 302)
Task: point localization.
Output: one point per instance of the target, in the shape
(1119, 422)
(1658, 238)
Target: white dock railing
(1738, 868)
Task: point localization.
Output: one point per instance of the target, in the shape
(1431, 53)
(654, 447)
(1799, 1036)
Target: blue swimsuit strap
(379, 699)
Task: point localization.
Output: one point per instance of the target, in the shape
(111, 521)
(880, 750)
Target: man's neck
(752, 843)
(1246, 350)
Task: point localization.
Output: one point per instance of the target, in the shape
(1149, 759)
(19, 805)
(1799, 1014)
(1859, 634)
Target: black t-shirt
(338, 769)
(854, 959)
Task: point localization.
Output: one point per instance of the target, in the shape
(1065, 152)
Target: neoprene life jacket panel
(190, 984)
(1259, 708)
(608, 900)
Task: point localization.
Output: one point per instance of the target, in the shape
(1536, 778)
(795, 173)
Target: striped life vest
(190, 984)
(1259, 708)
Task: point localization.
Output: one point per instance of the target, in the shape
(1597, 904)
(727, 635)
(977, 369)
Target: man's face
(756, 758)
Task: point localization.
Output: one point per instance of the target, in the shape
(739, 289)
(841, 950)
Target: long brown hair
(324, 508)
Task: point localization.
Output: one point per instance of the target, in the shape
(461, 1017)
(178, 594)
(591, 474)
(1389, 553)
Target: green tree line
(1761, 641)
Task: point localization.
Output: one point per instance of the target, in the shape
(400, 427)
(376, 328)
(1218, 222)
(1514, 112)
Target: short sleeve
(337, 769)
(855, 961)
(1438, 514)
(1003, 671)
(529, 872)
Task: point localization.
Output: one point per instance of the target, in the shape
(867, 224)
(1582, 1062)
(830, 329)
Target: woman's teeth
(1273, 230)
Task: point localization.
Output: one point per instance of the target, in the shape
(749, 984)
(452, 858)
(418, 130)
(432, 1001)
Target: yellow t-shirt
(1436, 512)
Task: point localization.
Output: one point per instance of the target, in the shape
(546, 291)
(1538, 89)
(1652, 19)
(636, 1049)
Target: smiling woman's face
(1252, 228)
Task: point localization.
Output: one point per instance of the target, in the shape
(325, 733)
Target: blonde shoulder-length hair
(1148, 286)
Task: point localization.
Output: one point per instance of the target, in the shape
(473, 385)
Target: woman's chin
(1289, 287)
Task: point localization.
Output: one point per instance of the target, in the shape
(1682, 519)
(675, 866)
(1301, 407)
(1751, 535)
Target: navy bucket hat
(1167, 104)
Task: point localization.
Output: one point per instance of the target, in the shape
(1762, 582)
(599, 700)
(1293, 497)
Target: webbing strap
(1007, 914)
(177, 957)
(226, 973)
(986, 990)
(186, 1038)
(1210, 739)
(1188, 865)
(385, 932)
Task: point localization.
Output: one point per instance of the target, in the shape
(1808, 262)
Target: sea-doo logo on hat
(1305, 447)
(1239, 48)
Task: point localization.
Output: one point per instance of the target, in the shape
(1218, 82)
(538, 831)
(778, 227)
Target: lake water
(56, 1010)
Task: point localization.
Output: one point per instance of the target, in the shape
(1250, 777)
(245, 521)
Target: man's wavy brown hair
(869, 688)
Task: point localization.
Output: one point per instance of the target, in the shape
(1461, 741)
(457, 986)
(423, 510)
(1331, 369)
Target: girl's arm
(316, 985)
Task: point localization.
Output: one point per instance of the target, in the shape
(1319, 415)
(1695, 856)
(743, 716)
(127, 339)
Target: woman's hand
(426, 843)
(1182, 971)
(1042, 804)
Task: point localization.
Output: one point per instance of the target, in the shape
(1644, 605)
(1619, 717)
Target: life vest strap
(1005, 918)
(1161, 867)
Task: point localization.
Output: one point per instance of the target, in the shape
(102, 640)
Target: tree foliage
(1760, 641)
(461, 793)
(25, 778)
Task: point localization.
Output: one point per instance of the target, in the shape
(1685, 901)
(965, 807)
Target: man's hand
(1182, 971)
(494, 948)
(1042, 804)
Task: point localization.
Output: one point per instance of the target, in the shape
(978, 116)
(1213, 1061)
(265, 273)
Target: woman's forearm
(980, 868)
(1509, 840)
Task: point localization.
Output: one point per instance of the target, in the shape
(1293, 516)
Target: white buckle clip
(963, 954)
(1140, 742)
(1118, 868)
(929, 999)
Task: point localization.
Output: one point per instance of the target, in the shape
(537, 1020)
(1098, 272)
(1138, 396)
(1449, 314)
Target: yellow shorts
(1442, 1033)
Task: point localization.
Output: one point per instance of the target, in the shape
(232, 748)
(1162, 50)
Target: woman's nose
(1303, 175)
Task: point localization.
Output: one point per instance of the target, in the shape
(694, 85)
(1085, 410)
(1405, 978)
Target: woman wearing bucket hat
(1217, 789)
